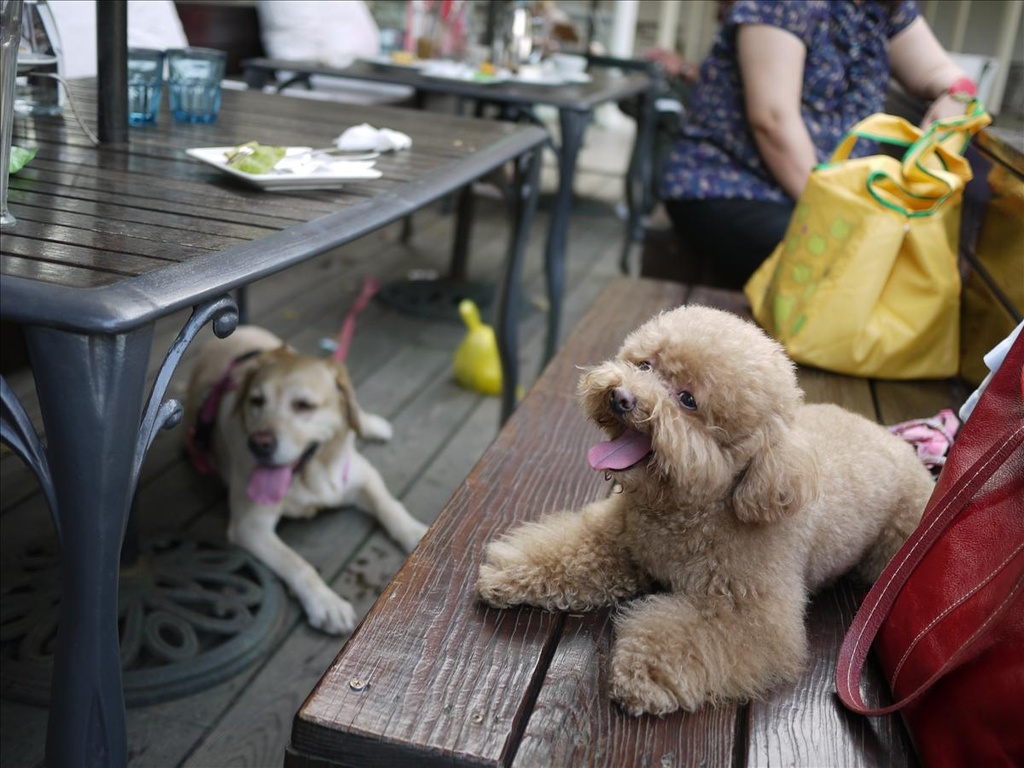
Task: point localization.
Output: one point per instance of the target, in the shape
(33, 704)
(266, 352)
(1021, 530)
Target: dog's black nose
(262, 444)
(621, 400)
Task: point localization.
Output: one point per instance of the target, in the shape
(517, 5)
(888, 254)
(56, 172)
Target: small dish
(326, 175)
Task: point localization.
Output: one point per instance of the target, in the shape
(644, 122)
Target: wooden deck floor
(401, 367)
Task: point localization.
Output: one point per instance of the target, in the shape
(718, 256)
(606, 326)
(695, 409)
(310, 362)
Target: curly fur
(747, 503)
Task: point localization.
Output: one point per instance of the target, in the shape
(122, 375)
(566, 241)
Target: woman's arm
(921, 65)
(772, 67)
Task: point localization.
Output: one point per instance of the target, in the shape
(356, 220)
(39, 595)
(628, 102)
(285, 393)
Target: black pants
(730, 237)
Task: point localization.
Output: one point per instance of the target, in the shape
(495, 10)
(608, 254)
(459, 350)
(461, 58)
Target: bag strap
(954, 133)
(941, 147)
(1006, 384)
(880, 127)
(901, 197)
(879, 601)
(933, 168)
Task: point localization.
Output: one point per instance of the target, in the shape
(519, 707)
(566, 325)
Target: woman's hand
(943, 107)
(674, 64)
(925, 70)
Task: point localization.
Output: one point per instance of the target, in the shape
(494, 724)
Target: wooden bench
(432, 677)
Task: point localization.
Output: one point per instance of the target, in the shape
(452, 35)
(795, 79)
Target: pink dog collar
(199, 441)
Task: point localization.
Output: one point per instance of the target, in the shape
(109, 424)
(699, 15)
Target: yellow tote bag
(865, 281)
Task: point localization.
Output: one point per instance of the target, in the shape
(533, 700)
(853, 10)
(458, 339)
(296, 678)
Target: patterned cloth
(846, 74)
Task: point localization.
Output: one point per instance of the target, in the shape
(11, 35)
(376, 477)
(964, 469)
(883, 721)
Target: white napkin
(366, 137)
(993, 360)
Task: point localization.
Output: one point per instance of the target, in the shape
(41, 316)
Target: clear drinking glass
(145, 84)
(193, 83)
(10, 38)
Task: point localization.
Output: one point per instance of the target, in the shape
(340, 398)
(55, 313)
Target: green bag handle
(880, 127)
(933, 167)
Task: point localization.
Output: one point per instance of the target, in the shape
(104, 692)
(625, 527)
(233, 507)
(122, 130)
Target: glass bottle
(39, 60)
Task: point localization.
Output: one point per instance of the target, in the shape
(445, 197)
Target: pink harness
(199, 441)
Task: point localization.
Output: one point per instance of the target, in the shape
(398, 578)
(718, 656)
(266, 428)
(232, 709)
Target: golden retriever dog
(733, 501)
(280, 429)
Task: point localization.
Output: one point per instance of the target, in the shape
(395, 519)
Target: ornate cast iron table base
(190, 616)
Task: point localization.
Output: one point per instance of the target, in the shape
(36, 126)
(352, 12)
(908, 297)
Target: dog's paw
(375, 427)
(643, 684)
(506, 577)
(410, 534)
(329, 612)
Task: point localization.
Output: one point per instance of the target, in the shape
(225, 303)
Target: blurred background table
(610, 81)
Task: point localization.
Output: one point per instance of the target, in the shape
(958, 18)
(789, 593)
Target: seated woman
(783, 83)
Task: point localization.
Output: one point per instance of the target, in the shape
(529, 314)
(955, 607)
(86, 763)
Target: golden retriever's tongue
(268, 485)
(621, 453)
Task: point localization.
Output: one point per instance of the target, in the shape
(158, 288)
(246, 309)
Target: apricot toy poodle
(733, 502)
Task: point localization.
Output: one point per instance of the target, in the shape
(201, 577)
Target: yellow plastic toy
(476, 363)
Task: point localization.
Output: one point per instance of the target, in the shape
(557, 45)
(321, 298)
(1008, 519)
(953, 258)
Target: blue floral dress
(846, 74)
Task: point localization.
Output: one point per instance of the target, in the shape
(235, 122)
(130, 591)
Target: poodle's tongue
(621, 453)
(268, 485)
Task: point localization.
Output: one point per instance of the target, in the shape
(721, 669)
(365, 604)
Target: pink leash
(348, 326)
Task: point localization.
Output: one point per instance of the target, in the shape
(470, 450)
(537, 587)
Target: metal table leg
(573, 125)
(524, 205)
(638, 179)
(439, 299)
(91, 390)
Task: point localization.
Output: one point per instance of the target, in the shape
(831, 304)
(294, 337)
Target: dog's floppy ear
(348, 395)
(782, 475)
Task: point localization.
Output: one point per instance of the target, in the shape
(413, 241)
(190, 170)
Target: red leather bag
(946, 617)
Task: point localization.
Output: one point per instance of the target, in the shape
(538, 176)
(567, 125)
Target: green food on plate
(254, 157)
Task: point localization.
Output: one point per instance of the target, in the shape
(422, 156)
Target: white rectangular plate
(331, 177)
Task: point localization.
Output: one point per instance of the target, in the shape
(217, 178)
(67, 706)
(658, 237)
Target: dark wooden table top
(110, 237)
(433, 677)
(607, 84)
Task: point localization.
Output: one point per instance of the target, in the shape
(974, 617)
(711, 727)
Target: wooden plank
(806, 724)
(902, 400)
(461, 709)
(574, 722)
(434, 594)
